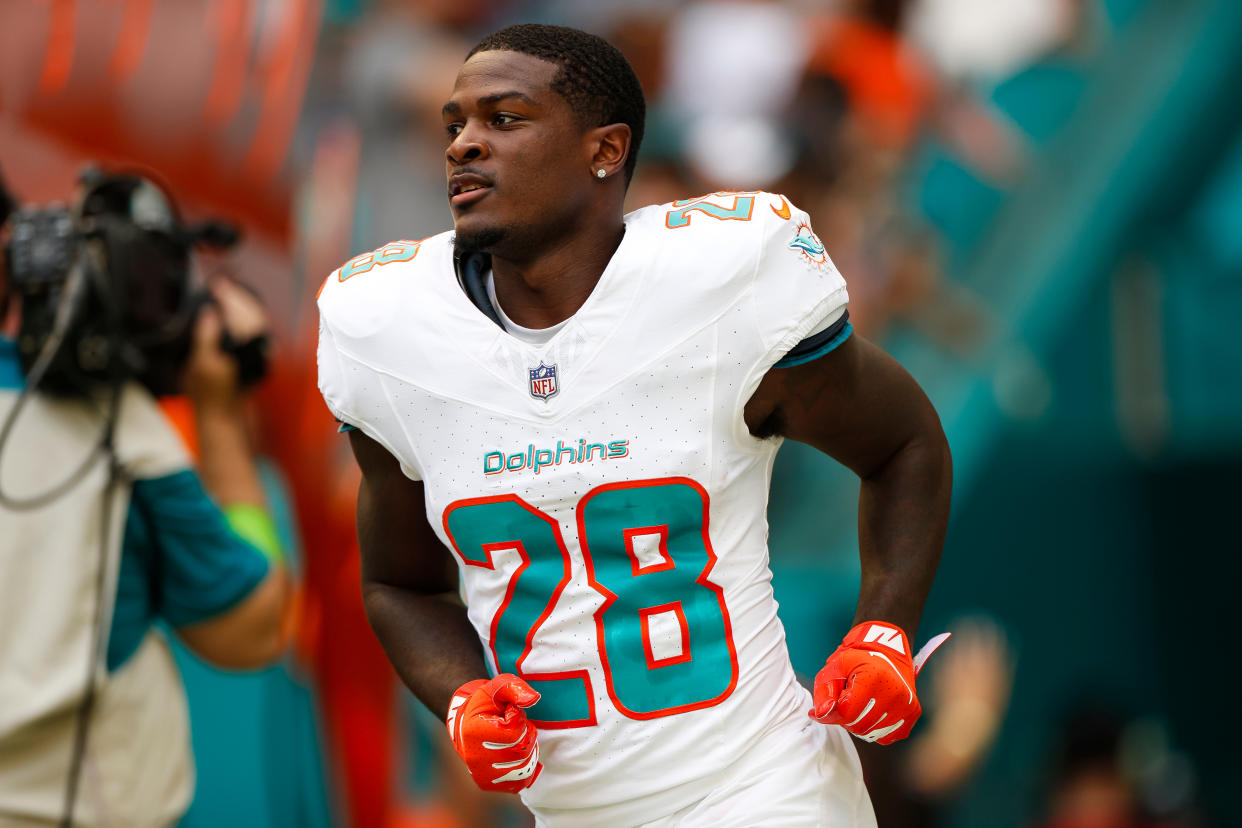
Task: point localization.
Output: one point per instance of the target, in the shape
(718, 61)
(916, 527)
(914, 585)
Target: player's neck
(550, 286)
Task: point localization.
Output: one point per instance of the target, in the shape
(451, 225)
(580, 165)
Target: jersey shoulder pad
(796, 285)
(759, 244)
(736, 235)
(363, 293)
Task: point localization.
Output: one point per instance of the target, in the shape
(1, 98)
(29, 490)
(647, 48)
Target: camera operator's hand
(211, 380)
(254, 631)
(244, 316)
(211, 373)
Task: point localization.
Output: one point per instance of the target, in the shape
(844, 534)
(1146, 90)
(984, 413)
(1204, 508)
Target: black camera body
(105, 287)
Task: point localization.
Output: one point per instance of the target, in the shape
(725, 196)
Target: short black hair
(594, 77)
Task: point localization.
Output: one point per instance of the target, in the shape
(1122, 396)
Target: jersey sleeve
(333, 383)
(800, 297)
(353, 392)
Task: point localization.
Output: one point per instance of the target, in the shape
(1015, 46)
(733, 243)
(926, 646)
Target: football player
(566, 419)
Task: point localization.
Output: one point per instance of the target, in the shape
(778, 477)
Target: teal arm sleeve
(201, 566)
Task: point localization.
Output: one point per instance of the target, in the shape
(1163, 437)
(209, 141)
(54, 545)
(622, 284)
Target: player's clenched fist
(867, 686)
(491, 733)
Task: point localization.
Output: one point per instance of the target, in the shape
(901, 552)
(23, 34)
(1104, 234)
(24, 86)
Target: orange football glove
(867, 686)
(491, 733)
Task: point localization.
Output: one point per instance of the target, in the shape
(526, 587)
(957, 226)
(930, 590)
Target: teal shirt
(180, 561)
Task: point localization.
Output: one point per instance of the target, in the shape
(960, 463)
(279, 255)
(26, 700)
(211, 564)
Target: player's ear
(608, 147)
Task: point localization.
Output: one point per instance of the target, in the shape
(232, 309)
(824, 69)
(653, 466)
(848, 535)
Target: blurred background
(1037, 205)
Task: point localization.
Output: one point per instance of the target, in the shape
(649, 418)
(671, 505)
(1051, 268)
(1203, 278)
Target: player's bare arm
(409, 582)
(409, 590)
(859, 406)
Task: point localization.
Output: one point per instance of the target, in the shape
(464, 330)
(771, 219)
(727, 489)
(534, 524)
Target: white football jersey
(601, 493)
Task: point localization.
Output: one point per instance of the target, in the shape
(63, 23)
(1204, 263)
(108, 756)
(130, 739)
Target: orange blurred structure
(208, 92)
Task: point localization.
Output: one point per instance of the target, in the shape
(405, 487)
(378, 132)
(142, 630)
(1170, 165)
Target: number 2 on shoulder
(663, 633)
(740, 209)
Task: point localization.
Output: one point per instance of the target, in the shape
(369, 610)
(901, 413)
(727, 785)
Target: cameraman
(93, 720)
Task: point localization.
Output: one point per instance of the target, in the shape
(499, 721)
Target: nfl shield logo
(543, 381)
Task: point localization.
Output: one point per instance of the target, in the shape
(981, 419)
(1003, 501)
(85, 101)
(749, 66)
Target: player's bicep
(856, 404)
(398, 547)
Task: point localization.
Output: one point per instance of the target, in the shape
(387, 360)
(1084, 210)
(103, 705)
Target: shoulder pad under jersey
(366, 292)
(749, 242)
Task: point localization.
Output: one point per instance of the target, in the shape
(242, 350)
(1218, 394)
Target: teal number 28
(666, 583)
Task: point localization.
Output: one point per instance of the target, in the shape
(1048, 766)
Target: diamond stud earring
(600, 173)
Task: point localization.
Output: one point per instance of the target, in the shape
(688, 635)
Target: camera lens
(43, 254)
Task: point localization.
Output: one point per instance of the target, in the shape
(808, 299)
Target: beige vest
(137, 770)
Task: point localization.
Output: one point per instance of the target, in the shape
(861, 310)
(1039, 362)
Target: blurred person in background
(108, 533)
(731, 70)
(866, 99)
(913, 784)
(862, 99)
(1106, 771)
(659, 681)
